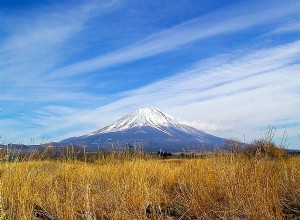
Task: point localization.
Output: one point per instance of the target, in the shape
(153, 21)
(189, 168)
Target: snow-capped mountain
(151, 117)
(151, 128)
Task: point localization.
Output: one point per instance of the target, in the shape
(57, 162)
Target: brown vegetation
(220, 186)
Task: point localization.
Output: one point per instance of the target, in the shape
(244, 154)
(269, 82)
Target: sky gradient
(230, 68)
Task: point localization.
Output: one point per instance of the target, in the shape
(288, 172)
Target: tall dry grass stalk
(219, 187)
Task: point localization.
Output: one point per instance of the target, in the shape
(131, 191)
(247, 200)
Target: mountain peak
(150, 116)
(147, 109)
(152, 112)
(149, 127)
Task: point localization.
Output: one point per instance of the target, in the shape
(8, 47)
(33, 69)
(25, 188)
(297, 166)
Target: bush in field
(265, 147)
(261, 148)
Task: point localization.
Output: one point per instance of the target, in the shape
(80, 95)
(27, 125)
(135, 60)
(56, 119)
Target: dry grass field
(218, 187)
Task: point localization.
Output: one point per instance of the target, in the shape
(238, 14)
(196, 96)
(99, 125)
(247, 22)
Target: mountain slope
(150, 128)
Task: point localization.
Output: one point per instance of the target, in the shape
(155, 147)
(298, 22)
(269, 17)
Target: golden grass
(213, 188)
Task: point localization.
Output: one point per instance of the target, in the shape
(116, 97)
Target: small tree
(233, 146)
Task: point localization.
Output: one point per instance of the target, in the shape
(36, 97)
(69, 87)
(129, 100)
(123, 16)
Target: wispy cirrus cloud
(38, 42)
(232, 20)
(287, 28)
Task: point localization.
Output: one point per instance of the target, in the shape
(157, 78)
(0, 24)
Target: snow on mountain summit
(152, 117)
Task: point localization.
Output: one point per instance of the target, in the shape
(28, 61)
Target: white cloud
(287, 28)
(184, 33)
(37, 43)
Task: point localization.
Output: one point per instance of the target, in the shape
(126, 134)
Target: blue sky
(230, 68)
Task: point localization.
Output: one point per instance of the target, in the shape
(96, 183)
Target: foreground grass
(211, 188)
